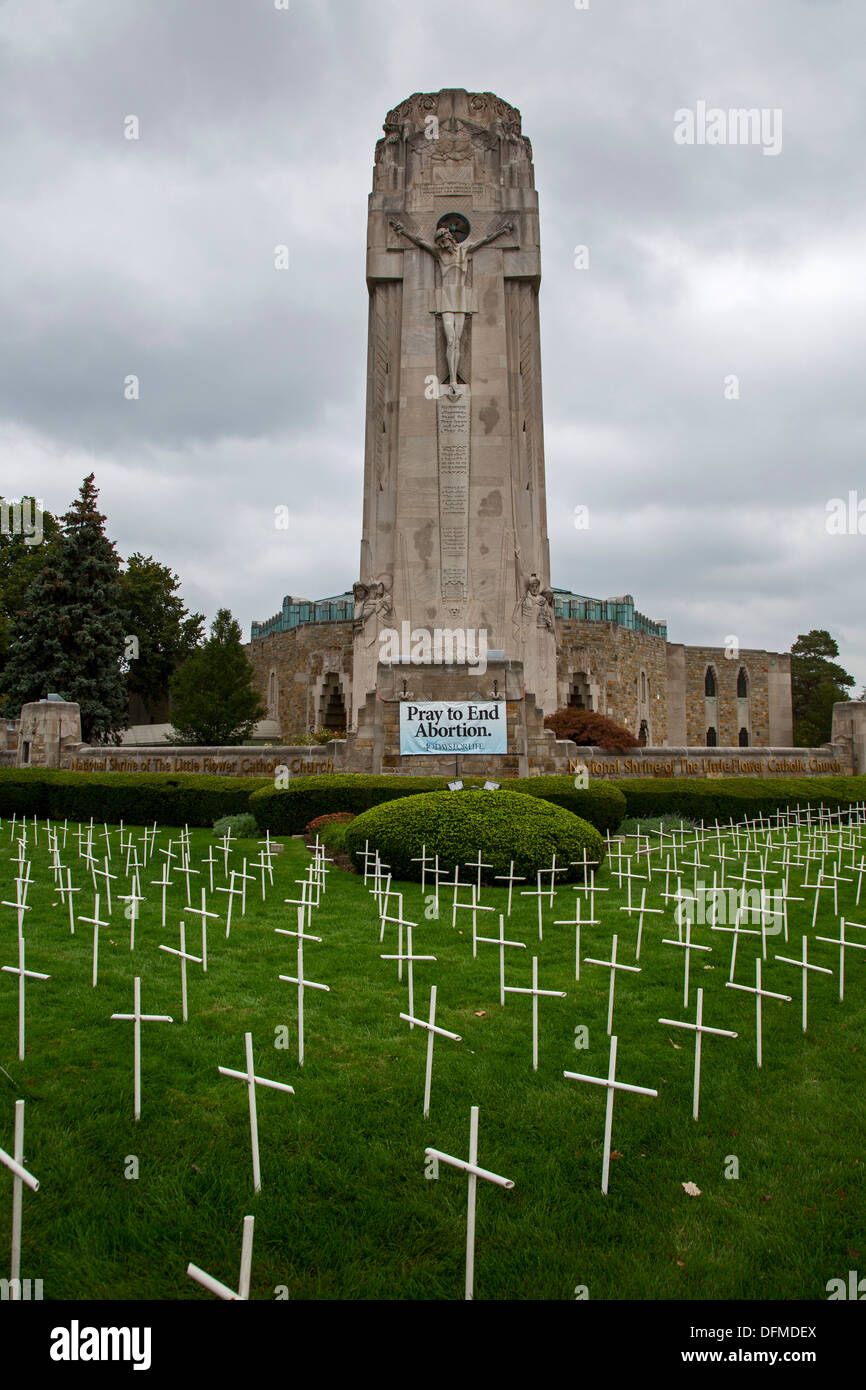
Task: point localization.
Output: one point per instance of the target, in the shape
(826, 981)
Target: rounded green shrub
(456, 825)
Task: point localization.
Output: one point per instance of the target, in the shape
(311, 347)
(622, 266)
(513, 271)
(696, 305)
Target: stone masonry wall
(302, 659)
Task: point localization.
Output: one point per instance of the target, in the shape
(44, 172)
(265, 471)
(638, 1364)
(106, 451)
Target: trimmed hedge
(290, 810)
(188, 798)
(709, 799)
(503, 825)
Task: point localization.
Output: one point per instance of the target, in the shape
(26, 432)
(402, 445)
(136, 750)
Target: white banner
(441, 727)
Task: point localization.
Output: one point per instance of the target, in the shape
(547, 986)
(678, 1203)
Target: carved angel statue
(453, 300)
(535, 606)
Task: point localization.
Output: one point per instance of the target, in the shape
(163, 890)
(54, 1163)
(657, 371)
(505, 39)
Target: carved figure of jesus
(453, 257)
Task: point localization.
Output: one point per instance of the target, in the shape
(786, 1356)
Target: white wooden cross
(210, 861)
(222, 1290)
(612, 1085)
(613, 965)
(432, 1030)
(688, 946)
(642, 912)
(456, 885)
(186, 869)
(843, 944)
(479, 865)
(15, 1163)
(184, 957)
(302, 985)
(163, 883)
(577, 923)
(20, 904)
(510, 878)
(203, 913)
(23, 975)
(805, 967)
(699, 1028)
(68, 891)
(759, 994)
(137, 1017)
(738, 931)
(474, 1172)
(535, 992)
(253, 1081)
(474, 907)
(96, 924)
(231, 890)
(225, 846)
(423, 859)
(104, 873)
(501, 943)
(410, 959)
(305, 900)
(539, 893)
(134, 898)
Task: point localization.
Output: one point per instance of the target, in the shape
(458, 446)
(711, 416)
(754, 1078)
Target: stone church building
(454, 525)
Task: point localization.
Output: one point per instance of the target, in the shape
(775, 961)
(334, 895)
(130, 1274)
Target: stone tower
(454, 526)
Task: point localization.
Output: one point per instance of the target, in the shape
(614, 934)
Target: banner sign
(446, 728)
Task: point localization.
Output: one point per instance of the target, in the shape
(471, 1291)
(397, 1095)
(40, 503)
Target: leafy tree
(20, 564)
(586, 727)
(212, 697)
(68, 634)
(817, 683)
(165, 631)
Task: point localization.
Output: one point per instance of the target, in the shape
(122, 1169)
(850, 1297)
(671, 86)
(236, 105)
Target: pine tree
(817, 683)
(212, 698)
(69, 633)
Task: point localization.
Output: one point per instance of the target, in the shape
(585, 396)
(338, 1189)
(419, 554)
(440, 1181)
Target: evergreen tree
(166, 632)
(817, 683)
(21, 561)
(69, 632)
(212, 697)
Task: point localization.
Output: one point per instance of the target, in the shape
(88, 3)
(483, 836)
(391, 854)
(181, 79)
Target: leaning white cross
(302, 985)
(137, 1017)
(21, 904)
(96, 924)
(432, 1030)
(612, 1085)
(104, 873)
(203, 913)
(805, 967)
(699, 1028)
(14, 1162)
(231, 890)
(535, 992)
(759, 994)
(688, 946)
(22, 976)
(253, 1081)
(501, 943)
(222, 1290)
(474, 1173)
(613, 965)
(642, 912)
(184, 957)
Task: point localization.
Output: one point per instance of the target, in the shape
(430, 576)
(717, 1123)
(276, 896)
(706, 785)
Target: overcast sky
(155, 257)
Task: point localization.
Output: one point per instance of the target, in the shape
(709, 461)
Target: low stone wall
(300, 761)
(833, 760)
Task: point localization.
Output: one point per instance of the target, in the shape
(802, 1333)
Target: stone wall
(303, 761)
(606, 662)
(292, 669)
(730, 714)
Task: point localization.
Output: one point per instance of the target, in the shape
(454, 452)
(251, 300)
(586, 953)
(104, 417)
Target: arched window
(744, 738)
(643, 687)
(710, 683)
(742, 684)
(712, 738)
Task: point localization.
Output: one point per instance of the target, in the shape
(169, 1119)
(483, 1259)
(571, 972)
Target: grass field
(346, 1211)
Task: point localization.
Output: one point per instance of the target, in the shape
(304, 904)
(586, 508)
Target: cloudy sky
(257, 125)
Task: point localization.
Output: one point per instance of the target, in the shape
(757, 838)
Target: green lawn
(346, 1210)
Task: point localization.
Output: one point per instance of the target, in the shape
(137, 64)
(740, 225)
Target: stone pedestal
(849, 728)
(46, 732)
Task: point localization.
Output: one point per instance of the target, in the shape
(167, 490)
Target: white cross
(432, 1030)
(612, 1085)
(642, 911)
(253, 1081)
(103, 873)
(479, 865)
(69, 891)
(225, 846)
(96, 924)
(231, 890)
(20, 903)
(738, 931)
(510, 878)
(222, 1290)
(501, 943)
(577, 923)
(203, 914)
(187, 871)
(410, 959)
(300, 933)
(184, 957)
(474, 1172)
(400, 922)
(302, 985)
(210, 861)
(14, 1162)
(759, 994)
(163, 883)
(538, 893)
(137, 1017)
(134, 898)
(535, 992)
(456, 885)
(613, 966)
(306, 898)
(805, 967)
(244, 878)
(699, 1028)
(474, 907)
(22, 976)
(843, 945)
(423, 859)
(688, 946)
(263, 863)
